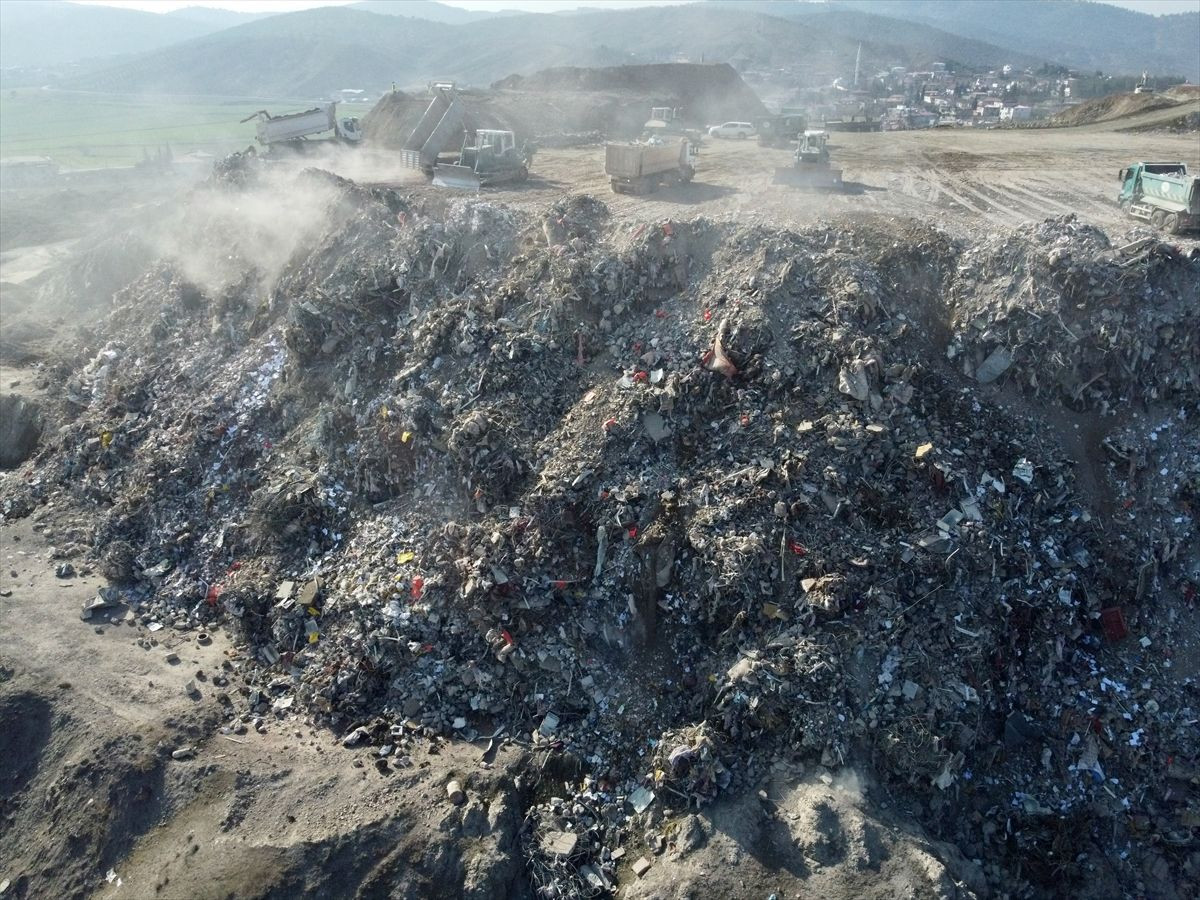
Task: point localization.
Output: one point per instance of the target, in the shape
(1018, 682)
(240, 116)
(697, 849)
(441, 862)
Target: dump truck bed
(639, 160)
(1178, 192)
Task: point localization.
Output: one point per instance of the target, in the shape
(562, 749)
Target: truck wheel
(1171, 223)
(1157, 218)
(741, 135)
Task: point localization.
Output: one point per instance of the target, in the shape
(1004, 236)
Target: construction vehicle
(441, 122)
(780, 131)
(490, 158)
(666, 123)
(1162, 193)
(644, 167)
(811, 168)
(295, 131)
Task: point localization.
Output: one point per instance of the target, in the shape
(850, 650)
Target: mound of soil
(1114, 106)
(20, 428)
(614, 102)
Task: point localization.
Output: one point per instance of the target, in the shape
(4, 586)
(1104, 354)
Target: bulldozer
(811, 168)
(491, 157)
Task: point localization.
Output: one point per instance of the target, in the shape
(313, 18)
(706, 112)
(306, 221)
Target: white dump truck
(293, 130)
(642, 167)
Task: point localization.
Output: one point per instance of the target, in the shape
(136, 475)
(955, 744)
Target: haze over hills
(49, 34)
(1075, 33)
(313, 52)
(370, 44)
(430, 10)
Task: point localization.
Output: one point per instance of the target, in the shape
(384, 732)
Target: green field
(81, 130)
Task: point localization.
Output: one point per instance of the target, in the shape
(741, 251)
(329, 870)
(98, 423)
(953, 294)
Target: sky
(1153, 7)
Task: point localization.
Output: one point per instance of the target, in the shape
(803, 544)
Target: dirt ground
(95, 803)
(93, 714)
(968, 179)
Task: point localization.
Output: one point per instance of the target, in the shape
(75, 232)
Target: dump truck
(810, 167)
(779, 131)
(441, 122)
(490, 157)
(296, 131)
(1161, 193)
(641, 167)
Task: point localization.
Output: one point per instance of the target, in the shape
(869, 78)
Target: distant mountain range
(201, 50)
(1076, 33)
(313, 52)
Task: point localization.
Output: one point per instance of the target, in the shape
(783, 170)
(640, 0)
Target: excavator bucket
(461, 177)
(812, 178)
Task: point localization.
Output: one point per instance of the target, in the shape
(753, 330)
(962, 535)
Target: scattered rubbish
(455, 468)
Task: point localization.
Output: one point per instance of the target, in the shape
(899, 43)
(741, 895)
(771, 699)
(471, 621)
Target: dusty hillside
(1114, 106)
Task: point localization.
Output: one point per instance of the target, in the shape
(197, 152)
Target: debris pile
(666, 502)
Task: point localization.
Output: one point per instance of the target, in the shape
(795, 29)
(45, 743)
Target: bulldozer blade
(461, 177)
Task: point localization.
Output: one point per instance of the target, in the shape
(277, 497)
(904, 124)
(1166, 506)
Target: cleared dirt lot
(965, 178)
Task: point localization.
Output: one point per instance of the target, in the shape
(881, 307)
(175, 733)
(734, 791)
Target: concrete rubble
(664, 503)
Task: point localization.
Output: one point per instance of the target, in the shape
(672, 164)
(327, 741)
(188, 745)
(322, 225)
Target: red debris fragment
(508, 638)
(418, 585)
(1113, 621)
(799, 549)
(632, 532)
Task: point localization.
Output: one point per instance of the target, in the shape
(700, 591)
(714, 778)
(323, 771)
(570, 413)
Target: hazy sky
(1154, 7)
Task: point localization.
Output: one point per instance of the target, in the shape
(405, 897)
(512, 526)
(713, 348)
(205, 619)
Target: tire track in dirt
(1033, 199)
(995, 210)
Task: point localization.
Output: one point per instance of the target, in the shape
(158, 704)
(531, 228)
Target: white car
(739, 130)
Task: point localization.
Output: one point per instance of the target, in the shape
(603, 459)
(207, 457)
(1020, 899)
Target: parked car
(739, 130)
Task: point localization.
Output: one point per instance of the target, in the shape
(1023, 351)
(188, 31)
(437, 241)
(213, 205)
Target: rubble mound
(670, 503)
(20, 429)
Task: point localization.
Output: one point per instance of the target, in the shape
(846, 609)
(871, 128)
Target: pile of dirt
(20, 428)
(603, 103)
(706, 92)
(543, 118)
(678, 507)
(1114, 106)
